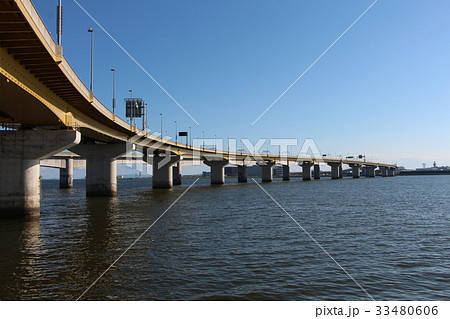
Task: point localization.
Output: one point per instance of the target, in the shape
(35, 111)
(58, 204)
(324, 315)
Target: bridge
(45, 109)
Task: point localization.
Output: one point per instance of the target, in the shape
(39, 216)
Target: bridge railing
(42, 28)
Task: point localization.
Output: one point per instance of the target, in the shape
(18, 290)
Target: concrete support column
(101, 167)
(217, 170)
(336, 170)
(306, 170)
(267, 171)
(163, 170)
(242, 173)
(286, 173)
(384, 171)
(316, 171)
(176, 171)
(370, 171)
(66, 174)
(356, 172)
(20, 155)
(391, 171)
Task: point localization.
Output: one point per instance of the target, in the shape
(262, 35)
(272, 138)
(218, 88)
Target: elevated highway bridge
(49, 109)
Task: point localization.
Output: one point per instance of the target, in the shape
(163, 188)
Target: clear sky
(383, 90)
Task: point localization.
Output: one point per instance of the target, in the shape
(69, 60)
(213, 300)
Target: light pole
(131, 109)
(91, 31)
(203, 132)
(215, 146)
(176, 133)
(190, 136)
(114, 91)
(59, 26)
(161, 125)
(144, 119)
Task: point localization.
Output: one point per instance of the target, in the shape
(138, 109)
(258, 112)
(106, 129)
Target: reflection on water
(233, 243)
(22, 248)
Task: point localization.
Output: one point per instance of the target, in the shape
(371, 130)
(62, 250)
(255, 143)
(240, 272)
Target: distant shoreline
(424, 172)
(401, 173)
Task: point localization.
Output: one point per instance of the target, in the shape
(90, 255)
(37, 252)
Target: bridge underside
(18, 106)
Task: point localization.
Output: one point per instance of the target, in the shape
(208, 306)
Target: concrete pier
(20, 155)
(176, 172)
(384, 171)
(242, 173)
(217, 170)
(163, 170)
(316, 171)
(267, 171)
(356, 170)
(306, 170)
(336, 170)
(286, 173)
(101, 168)
(370, 171)
(66, 174)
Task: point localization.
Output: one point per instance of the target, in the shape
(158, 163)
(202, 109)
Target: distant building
(254, 170)
(231, 171)
(434, 168)
(278, 170)
(206, 174)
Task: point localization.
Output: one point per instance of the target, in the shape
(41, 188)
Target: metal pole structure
(131, 109)
(161, 125)
(59, 23)
(114, 91)
(144, 124)
(176, 133)
(190, 136)
(91, 31)
(203, 140)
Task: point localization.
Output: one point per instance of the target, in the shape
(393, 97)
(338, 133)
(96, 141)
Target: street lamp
(114, 91)
(91, 31)
(203, 132)
(59, 25)
(131, 109)
(161, 125)
(176, 133)
(190, 136)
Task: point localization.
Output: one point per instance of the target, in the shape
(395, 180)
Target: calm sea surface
(232, 242)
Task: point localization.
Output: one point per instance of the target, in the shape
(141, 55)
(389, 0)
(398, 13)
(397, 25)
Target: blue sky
(383, 90)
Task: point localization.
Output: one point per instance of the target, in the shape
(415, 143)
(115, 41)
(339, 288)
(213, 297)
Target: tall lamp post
(131, 110)
(161, 125)
(59, 23)
(203, 132)
(114, 91)
(91, 31)
(176, 133)
(190, 136)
